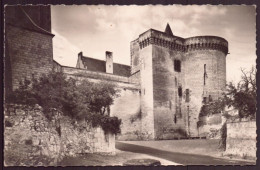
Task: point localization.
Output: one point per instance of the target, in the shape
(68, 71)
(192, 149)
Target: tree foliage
(243, 96)
(77, 99)
(213, 107)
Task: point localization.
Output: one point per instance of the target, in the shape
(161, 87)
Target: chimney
(109, 62)
(79, 62)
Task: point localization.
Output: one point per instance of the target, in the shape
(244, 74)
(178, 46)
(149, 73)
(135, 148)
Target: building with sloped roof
(107, 66)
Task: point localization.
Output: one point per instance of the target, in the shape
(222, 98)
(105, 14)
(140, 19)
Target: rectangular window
(180, 92)
(187, 95)
(210, 98)
(177, 65)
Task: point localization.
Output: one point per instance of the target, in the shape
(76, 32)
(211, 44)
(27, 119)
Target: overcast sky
(96, 29)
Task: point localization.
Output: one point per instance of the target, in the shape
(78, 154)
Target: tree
(243, 96)
(77, 99)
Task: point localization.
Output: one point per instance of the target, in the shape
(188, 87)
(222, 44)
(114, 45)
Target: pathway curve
(180, 158)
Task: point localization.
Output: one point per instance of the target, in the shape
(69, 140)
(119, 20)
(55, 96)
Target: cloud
(64, 52)
(96, 29)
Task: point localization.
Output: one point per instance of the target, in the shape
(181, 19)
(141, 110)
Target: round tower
(205, 73)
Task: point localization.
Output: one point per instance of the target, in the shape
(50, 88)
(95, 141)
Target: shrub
(212, 108)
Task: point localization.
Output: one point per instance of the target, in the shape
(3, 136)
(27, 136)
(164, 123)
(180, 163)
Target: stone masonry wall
(169, 116)
(146, 75)
(30, 53)
(127, 108)
(33, 140)
(241, 139)
(214, 62)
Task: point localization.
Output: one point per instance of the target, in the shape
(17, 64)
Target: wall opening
(177, 65)
(175, 119)
(205, 74)
(210, 98)
(180, 91)
(187, 95)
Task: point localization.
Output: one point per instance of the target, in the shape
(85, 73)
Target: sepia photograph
(147, 85)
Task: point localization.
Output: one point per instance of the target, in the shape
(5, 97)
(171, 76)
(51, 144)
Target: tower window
(177, 65)
(210, 98)
(175, 119)
(205, 74)
(187, 95)
(180, 92)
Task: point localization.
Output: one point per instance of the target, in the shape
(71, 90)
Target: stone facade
(40, 141)
(241, 139)
(28, 45)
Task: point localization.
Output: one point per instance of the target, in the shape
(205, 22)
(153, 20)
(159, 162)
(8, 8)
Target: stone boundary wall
(241, 139)
(30, 139)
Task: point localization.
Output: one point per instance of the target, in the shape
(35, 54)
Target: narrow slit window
(175, 119)
(205, 74)
(187, 95)
(177, 65)
(180, 91)
(210, 98)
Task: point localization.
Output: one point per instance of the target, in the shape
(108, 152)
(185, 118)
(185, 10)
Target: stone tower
(28, 43)
(176, 76)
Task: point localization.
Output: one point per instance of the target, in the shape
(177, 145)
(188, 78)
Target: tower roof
(168, 30)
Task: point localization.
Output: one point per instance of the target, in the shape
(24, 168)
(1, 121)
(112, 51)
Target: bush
(77, 99)
(212, 108)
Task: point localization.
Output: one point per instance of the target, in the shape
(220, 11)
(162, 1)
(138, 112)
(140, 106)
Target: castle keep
(176, 76)
(163, 89)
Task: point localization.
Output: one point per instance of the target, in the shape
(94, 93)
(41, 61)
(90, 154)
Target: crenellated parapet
(206, 43)
(154, 37)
